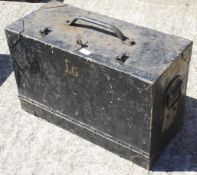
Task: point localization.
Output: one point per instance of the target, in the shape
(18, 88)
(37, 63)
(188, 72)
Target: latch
(171, 100)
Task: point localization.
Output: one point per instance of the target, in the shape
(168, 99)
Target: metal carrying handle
(113, 28)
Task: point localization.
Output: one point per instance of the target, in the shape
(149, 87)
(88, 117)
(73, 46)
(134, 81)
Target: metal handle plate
(171, 101)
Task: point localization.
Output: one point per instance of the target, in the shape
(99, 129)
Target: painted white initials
(71, 70)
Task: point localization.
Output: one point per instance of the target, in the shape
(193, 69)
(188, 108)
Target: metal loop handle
(102, 24)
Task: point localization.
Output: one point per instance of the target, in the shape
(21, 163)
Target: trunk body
(122, 92)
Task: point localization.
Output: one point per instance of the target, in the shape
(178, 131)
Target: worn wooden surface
(29, 145)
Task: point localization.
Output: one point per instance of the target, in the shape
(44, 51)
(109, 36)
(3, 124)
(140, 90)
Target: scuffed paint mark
(22, 71)
(19, 35)
(111, 88)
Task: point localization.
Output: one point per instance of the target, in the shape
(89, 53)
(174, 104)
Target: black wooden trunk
(120, 86)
